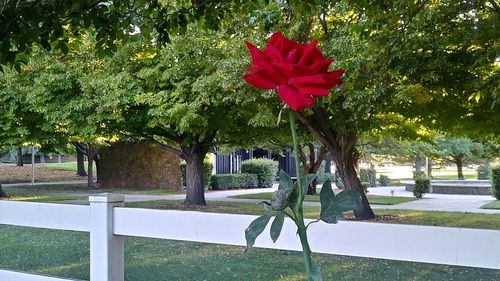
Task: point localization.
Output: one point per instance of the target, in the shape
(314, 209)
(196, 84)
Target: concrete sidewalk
(430, 202)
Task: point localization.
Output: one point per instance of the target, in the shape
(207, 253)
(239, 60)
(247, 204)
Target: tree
(59, 24)
(382, 46)
(185, 104)
(461, 151)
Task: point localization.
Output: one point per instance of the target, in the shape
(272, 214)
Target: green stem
(299, 215)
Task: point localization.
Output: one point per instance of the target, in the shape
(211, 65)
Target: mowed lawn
(374, 199)
(66, 254)
(495, 205)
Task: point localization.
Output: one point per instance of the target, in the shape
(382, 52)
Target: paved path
(430, 202)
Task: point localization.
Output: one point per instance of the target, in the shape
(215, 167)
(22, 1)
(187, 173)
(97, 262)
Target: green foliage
(233, 181)
(384, 180)
(332, 207)
(484, 172)
(421, 187)
(369, 176)
(255, 229)
(337, 179)
(419, 175)
(207, 172)
(265, 169)
(365, 186)
(495, 182)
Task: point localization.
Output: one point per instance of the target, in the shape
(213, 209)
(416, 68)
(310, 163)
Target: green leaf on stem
(276, 226)
(333, 206)
(286, 182)
(293, 199)
(255, 229)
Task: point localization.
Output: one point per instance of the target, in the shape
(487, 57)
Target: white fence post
(106, 249)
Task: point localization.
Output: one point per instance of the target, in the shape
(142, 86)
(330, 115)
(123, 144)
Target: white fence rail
(108, 223)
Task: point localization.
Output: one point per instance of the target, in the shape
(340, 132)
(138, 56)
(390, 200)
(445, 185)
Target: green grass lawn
(66, 254)
(82, 188)
(447, 219)
(66, 166)
(43, 197)
(493, 205)
(374, 199)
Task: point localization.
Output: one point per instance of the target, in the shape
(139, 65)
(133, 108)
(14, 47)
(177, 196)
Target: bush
(495, 182)
(369, 176)
(365, 186)
(207, 172)
(233, 181)
(483, 172)
(338, 180)
(421, 187)
(384, 180)
(265, 169)
(419, 175)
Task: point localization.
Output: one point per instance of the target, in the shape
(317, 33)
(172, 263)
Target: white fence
(108, 222)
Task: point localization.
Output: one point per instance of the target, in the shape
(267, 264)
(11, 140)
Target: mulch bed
(14, 174)
(380, 219)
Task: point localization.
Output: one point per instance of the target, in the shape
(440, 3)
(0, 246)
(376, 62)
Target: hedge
(483, 172)
(233, 181)
(207, 172)
(265, 169)
(495, 185)
(369, 176)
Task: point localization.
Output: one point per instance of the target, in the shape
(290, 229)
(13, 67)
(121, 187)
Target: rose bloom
(298, 71)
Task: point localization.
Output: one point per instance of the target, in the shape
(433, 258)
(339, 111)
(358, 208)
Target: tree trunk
(2, 193)
(312, 163)
(80, 164)
(418, 164)
(429, 168)
(19, 157)
(340, 142)
(328, 163)
(90, 170)
(42, 158)
(195, 188)
(460, 164)
(346, 167)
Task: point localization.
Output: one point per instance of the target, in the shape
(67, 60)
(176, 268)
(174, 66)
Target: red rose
(299, 71)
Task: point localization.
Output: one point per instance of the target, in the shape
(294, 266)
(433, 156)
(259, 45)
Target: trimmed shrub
(419, 175)
(338, 180)
(233, 181)
(483, 172)
(265, 169)
(207, 172)
(369, 176)
(495, 182)
(422, 186)
(384, 180)
(365, 186)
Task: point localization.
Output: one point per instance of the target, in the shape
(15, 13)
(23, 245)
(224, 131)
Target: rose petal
(259, 81)
(257, 56)
(308, 52)
(309, 79)
(312, 90)
(320, 66)
(294, 99)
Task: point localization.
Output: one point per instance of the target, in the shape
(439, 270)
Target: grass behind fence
(66, 254)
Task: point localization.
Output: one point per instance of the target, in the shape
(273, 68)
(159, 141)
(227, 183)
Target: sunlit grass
(84, 189)
(431, 218)
(374, 199)
(493, 205)
(44, 197)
